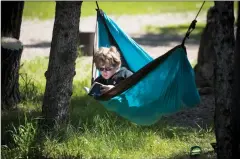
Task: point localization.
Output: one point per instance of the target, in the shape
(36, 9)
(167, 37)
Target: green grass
(176, 30)
(92, 132)
(46, 10)
(173, 29)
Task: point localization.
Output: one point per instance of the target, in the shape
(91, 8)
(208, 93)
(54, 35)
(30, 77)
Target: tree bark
(224, 40)
(236, 92)
(11, 18)
(11, 52)
(87, 43)
(206, 56)
(10, 63)
(61, 68)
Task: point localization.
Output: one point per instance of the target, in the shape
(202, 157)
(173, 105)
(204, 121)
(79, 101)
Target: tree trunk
(206, 56)
(61, 68)
(11, 52)
(236, 92)
(87, 43)
(11, 18)
(223, 35)
(10, 62)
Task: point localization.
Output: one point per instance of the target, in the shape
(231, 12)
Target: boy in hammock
(108, 62)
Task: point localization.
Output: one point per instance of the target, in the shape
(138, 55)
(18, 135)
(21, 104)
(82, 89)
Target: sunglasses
(105, 69)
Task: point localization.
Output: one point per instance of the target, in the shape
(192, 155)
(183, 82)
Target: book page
(86, 89)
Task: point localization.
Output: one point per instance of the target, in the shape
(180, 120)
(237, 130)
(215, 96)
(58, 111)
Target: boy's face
(107, 71)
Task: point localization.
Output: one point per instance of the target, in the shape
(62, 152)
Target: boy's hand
(105, 88)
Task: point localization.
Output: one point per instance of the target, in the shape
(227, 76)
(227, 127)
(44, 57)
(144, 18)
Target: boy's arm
(128, 73)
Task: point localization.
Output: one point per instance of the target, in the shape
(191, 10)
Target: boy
(108, 62)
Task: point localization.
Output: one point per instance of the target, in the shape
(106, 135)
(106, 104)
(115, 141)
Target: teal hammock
(158, 87)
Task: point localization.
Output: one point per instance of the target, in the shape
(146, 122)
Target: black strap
(111, 38)
(97, 5)
(192, 26)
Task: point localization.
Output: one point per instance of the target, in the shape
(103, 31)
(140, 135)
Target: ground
(36, 36)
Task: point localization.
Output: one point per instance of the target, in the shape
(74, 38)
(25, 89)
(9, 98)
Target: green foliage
(93, 132)
(46, 10)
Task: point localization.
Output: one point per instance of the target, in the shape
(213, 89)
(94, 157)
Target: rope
(199, 10)
(94, 49)
(98, 9)
(97, 5)
(192, 26)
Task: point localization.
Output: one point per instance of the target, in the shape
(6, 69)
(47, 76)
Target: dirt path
(36, 35)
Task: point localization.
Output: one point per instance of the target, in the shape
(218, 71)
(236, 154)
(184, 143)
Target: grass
(176, 30)
(46, 10)
(173, 29)
(92, 132)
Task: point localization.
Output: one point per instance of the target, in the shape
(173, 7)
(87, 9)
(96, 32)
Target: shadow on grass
(16, 117)
(83, 111)
(10, 119)
(19, 126)
(164, 36)
(13, 123)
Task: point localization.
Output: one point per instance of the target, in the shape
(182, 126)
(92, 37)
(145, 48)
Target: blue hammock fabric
(168, 88)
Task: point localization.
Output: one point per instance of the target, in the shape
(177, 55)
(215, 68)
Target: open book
(94, 90)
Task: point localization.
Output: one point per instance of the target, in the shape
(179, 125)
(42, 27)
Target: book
(94, 90)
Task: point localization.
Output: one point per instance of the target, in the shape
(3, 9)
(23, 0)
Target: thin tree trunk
(11, 18)
(223, 37)
(236, 92)
(61, 68)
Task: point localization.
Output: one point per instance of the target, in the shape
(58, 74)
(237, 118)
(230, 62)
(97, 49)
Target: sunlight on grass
(194, 63)
(39, 10)
(46, 10)
(106, 139)
(93, 132)
(174, 29)
(83, 75)
(32, 83)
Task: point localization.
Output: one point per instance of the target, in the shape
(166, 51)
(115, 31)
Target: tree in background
(11, 52)
(206, 56)
(224, 42)
(61, 67)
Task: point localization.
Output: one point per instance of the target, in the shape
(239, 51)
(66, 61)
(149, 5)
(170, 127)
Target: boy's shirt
(119, 76)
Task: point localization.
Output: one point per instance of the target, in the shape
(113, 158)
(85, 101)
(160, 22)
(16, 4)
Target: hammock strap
(97, 5)
(111, 38)
(192, 26)
(94, 49)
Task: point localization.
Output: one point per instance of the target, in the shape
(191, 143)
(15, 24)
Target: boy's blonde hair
(107, 56)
